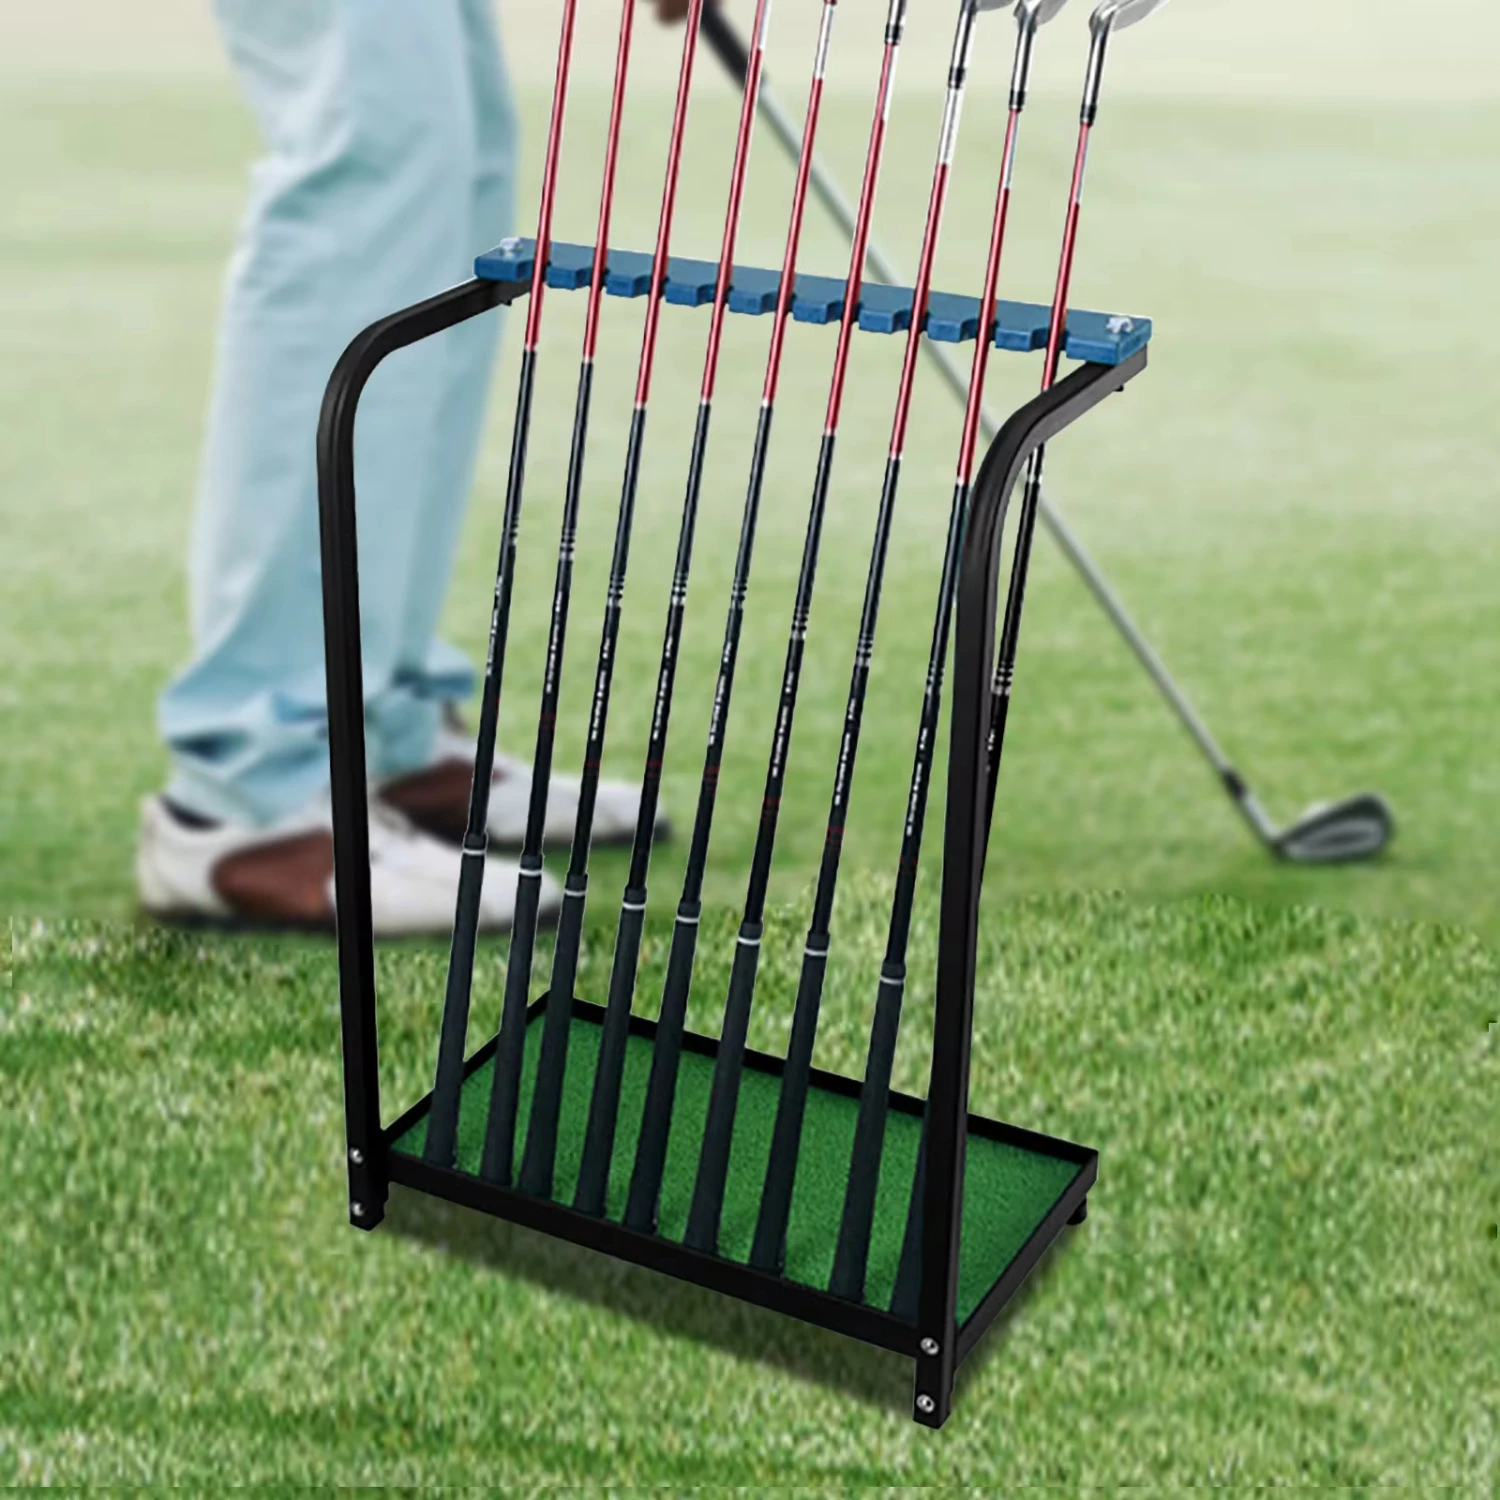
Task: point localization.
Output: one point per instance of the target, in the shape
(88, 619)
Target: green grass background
(1290, 1270)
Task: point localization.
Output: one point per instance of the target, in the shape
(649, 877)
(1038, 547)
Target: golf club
(768, 1246)
(541, 1141)
(713, 1163)
(852, 1252)
(645, 1187)
(604, 1103)
(442, 1131)
(1111, 16)
(495, 1165)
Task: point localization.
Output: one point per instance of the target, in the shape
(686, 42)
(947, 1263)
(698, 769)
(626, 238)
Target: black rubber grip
(604, 1104)
(442, 1123)
(661, 1088)
(852, 1253)
(768, 1250)
(724, 1098)
(500, 1132)
(546, 1102)
(905, 1296)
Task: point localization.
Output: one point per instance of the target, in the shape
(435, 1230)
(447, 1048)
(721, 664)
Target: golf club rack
(905, 1222)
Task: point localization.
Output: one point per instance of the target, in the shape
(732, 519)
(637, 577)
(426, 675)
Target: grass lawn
(1290, 1270)
(1288, 1273)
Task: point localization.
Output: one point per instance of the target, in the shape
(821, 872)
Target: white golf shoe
(281, 877)
(436, 799)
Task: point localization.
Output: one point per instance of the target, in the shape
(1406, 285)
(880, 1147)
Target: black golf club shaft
(908, 1274)
(651, 1147)
(768, 1246)
(442, 1128)
(1015, 602)
(499, 1142)
(851, 1255)
(713, 1164)
(541, 1143)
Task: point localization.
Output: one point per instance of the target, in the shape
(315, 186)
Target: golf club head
(1339, 832)
(1116, 15)
(1036, 13)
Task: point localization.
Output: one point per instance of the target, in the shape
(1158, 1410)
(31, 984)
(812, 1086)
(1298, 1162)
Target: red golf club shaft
(541, 1143)
(442, 1131)
(500, 1131)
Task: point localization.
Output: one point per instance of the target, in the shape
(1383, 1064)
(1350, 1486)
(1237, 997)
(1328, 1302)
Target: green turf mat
(1009, 1191)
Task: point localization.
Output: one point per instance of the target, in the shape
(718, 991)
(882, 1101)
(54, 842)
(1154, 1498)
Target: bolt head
(929, 1346)
(356, 1156)
(357, 1209)
(926, 1405)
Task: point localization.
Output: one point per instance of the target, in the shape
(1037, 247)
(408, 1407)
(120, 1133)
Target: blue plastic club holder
(1020, 327)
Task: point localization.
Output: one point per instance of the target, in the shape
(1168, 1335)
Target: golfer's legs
(363, 204)
(430, 671)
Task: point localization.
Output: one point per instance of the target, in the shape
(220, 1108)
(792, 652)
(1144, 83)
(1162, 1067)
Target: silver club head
(1116, 15)
(1029, 13)
(1033, 14)
(1355, 829)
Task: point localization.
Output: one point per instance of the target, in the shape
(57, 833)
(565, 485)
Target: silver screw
(926, 1405)
(929, 1346)
(357, 1209)
(356, 1156)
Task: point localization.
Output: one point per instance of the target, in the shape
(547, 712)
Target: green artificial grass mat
(1008, 1190)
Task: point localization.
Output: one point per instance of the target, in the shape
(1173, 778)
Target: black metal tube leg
(339, 549)
(346, 736)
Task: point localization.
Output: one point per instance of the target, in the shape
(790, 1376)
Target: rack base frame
(935, 1339)
(663, 1252)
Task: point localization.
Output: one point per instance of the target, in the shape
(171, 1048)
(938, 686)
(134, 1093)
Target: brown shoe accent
(435, 800)
(284, 884)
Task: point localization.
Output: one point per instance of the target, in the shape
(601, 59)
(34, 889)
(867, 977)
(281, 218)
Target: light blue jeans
(391, 163)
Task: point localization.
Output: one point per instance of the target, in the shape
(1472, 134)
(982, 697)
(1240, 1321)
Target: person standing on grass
(392, 150)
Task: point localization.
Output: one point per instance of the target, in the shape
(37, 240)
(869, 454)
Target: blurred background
(1298, 501)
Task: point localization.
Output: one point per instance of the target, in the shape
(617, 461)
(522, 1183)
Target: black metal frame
(936, 1341)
